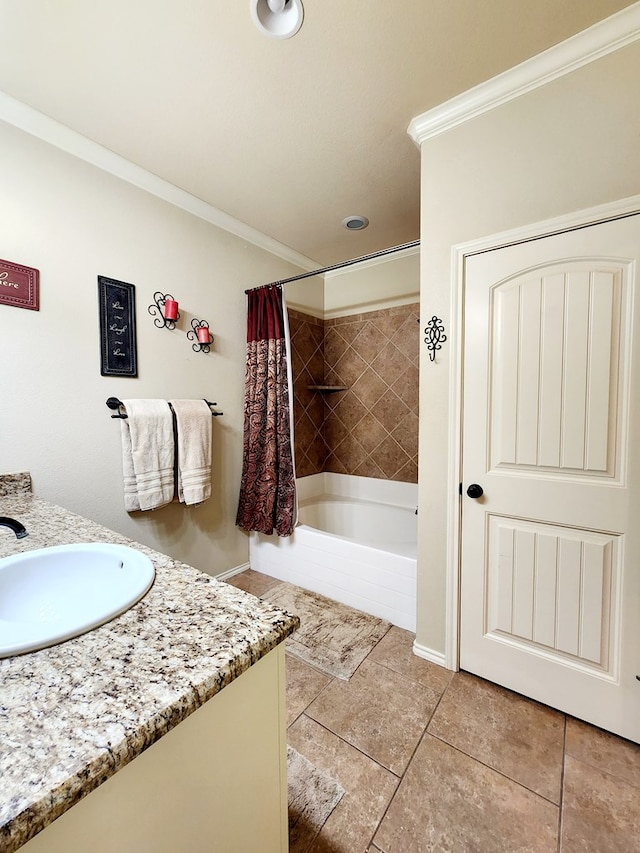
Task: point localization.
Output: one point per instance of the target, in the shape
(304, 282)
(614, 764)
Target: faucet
(14, 525)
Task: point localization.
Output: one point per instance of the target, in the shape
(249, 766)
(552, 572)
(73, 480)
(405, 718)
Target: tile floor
(436, 761)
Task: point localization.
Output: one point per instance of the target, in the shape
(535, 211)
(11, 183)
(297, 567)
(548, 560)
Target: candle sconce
(165, 310)
(200, 333)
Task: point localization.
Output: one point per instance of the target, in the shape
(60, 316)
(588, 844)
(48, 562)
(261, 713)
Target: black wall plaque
(118, 355)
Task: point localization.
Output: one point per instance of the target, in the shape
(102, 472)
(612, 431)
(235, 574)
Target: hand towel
(148, 453)
(194, 430)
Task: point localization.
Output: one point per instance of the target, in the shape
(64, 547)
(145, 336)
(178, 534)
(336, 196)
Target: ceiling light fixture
(279, 19)
(355, 223)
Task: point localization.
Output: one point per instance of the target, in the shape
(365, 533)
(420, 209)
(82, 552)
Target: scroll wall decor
(434, 330)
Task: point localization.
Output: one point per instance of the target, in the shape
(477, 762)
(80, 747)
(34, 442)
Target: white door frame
(546, 228)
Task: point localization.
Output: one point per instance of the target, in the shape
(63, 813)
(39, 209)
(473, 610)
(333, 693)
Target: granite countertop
(73, 714)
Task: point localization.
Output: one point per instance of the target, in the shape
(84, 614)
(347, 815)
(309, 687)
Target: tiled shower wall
(307, 361)
(371, 429)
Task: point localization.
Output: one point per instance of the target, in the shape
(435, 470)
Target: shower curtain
(267, 490)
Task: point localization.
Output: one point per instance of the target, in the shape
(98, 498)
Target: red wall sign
(19, 286)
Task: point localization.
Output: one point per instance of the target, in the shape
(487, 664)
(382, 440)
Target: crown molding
(591, 44)
(373, 262)
(30, 120)
(318, 313)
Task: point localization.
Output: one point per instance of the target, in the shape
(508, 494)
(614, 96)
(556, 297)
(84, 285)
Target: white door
(550, 586)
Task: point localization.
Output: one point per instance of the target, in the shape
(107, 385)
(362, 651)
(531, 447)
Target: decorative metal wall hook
(166, 309)
(434, 331)
(201, 334)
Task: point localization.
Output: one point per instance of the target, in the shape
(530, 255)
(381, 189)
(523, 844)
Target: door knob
(475, 491)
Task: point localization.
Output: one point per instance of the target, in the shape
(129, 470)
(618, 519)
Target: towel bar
(115, 404)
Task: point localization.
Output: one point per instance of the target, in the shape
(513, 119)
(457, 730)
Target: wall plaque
(118, 355)
(19, 286)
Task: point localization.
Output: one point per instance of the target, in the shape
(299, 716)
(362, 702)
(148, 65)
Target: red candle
(203, 335)
(170, 309)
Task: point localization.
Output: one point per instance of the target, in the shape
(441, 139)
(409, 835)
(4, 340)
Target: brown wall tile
(307, 361)
(372, 428)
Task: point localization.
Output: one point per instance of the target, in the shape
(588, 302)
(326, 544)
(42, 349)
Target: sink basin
(54, 594)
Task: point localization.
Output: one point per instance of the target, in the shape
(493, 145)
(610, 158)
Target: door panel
(555, 369)
(551, 588)
(550, 583)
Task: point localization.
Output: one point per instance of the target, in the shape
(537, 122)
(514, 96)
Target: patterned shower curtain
(267, 489)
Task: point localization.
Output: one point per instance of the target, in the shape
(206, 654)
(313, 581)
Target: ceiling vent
(355, 223)
(279, 19)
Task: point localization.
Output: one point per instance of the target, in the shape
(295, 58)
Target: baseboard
(231, 572)
(429, 654)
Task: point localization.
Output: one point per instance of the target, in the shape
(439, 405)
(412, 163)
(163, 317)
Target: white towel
(193, 421)
(147, 454)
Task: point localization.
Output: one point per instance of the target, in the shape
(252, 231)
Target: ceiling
(287, 136)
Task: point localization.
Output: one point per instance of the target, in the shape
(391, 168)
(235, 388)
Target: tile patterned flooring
(436, 761)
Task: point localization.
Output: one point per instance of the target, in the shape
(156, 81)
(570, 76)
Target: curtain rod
(370, 257)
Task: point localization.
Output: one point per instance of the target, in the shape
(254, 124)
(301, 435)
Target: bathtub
(355, 542)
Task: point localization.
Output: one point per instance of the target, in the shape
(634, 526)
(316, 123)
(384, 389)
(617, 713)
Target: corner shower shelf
(327, 389)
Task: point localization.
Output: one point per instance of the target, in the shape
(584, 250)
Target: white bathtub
(355, 543)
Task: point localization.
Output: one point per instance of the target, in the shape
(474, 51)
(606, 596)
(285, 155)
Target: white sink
(54, 594)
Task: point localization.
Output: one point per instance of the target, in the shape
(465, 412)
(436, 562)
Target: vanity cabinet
(216, 782)
(161, 731)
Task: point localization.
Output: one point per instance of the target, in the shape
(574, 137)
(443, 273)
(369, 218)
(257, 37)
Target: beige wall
(74, 222)
(373, 285)
(569, 145)
(367, 286)
(307, 295)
